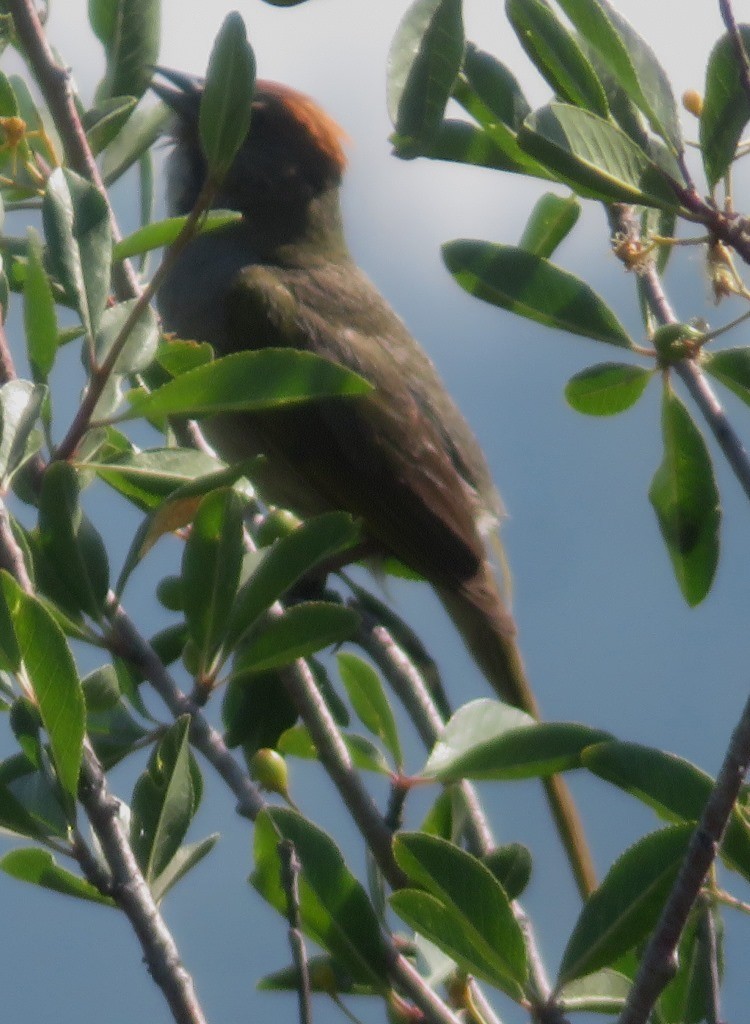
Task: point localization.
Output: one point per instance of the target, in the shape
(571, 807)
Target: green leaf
(39, 867)
(10, 656)
(79, 241)
(603, 991)
(300, 631)
(103, 19)
(103, 122)
(673, 787)
(423, 62)
(731, 366)
(368, 699)
(165, 800)
(16, 817)
(186, 858)
(140, 132)
(467, 913)
(324, 973)
(20, 406)
(54, 680)
(101, 689)
(532, 287)
(595, 157)
(211, 563)
(489, 740)
(249, 382)
(30, 800)
(311, 544)
(40, 321)
(140, 348)
(163, 232)
(130, 32)
(557, 55)
(685, 498)
(175, 512)
(71, 543)
(511, 865)
(496, 86)
(689, 998)
(147, 477)
(631, 62)
(607, 388)
(256, 711)
(551, 221)
(726, 107)
(334, 907)
(464, 143)
(624, 910)
(296, 741)
(177, 356)
(224, 116)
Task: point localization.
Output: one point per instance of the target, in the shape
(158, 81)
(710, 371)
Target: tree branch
(126, 641)
(133, 896)
(54, 82)
(657, 964)
(411, 690)
(738, 44)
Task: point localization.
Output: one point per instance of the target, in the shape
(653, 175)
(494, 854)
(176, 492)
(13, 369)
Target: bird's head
(293, 152)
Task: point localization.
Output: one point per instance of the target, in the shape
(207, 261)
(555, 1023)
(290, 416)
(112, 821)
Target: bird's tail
(489, 632)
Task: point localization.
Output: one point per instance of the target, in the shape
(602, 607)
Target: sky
(605, 633)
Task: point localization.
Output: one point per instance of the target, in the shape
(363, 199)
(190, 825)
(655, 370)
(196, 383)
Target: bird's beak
(182, 95)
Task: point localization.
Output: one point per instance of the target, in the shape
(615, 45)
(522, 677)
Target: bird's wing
(381, 457)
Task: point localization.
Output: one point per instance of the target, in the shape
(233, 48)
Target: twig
(689, 370)
(126, 641)
(133, 895)
(300, 684)
(127, 884)
(738, 44)
(707, 935)
(290, 871)
(101, 375)
(411, 690)
(421, 994)
(409, 687)
(7, 367)
(657, 964)
(54, 82)
(11, 556)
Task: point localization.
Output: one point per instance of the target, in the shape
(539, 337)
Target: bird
(402, 459)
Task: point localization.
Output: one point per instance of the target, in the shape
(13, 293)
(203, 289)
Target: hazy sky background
(606, 635)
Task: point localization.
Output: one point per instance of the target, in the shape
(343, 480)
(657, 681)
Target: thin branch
(126, 885)
(126, 641)
(290, 872)
(133, 896)
(101, 375)
(658, 962)
(409, 686)
(688, 370)
(11, 556)
(738, 45)
(7, 366)
(425, 998)
(300, 684)
(55, 84)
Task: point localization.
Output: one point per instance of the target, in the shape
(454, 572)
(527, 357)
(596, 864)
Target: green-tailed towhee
(403, 459)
